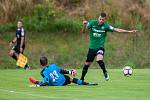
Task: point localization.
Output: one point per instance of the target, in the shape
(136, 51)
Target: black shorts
(67, 81)
(16, 48)
(94, 52)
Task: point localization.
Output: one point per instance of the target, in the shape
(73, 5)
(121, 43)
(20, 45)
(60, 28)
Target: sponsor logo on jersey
(95, 30)
(96, 35)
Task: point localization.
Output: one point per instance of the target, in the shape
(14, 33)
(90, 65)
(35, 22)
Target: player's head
(43, 61)
(102, 18)
(19, 23)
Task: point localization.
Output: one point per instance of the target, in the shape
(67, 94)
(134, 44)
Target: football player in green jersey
(98, 32)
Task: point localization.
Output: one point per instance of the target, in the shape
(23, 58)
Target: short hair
(103, 14)
(43, 61)
(20, 20)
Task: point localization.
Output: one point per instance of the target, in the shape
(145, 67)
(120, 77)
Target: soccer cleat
(106, 75)
(92, 84)
(35, 85)
(32, 80)
(27, 67)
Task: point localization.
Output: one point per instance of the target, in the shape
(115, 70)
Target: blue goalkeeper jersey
(51, 74)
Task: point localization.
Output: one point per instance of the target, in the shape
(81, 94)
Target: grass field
(14, 85)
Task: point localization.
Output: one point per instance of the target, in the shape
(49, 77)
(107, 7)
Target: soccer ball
(127, 70)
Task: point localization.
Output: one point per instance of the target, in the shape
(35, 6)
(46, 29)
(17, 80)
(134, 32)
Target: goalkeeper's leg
(40, 83)
(32, 80)
(81, 82)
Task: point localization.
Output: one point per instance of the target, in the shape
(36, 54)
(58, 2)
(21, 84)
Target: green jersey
(98, 33)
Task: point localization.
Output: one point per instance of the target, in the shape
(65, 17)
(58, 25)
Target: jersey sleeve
(46, 79)
(22, 32)
(45, 76)
(89, 25)
(110, 28)
(42, 72)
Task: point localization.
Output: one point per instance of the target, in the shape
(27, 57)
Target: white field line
(35, 95)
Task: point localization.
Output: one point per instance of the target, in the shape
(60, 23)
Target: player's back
(52, 75)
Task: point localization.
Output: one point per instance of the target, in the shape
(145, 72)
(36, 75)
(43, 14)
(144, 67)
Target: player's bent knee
(10, 53)
(99, 57)
(99, 61)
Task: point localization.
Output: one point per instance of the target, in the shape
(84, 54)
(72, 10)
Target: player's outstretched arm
(38, 83)
(124, 31)
(84, 26)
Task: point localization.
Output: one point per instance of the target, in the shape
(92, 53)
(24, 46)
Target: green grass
(14, 85)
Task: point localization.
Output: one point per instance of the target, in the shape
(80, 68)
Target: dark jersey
(20, 32)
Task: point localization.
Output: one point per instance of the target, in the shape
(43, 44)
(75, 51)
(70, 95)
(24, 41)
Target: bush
(67, 25)
(7, 27)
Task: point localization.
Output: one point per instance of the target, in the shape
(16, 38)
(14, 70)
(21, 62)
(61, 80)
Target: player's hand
(10, 44)
(133, 31)
(85, 22)
(83, 27)
(73, 72)
(21, 49)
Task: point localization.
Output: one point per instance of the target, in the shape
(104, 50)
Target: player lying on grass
(53, 75)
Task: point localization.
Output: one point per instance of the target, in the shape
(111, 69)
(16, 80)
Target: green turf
(14, 85)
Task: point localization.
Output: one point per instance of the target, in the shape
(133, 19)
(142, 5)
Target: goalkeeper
(53, 75)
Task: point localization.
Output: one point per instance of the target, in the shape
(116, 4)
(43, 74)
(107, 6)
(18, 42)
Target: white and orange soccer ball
(127, 70)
